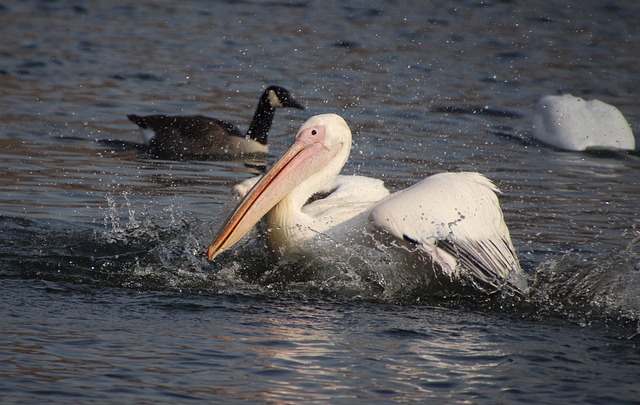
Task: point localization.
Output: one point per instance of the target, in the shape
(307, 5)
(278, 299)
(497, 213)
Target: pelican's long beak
(303, 159)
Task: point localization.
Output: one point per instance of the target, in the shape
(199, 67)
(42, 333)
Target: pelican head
(320, 150)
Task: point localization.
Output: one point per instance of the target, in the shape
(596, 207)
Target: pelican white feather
(456, 219)
(572, 123)
(453, 220)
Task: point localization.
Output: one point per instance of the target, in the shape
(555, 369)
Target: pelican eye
(314, 132)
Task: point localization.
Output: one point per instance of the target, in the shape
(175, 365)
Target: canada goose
(184, 136)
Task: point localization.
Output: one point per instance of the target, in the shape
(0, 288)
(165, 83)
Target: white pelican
(452, 221)
(572, 123)
(171, 137)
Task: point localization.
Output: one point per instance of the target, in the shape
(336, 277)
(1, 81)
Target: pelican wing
(349, 196)
(456, 219)
(346, 189)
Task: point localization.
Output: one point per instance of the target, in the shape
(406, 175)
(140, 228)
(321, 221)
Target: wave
(584, 287)
(130, 250)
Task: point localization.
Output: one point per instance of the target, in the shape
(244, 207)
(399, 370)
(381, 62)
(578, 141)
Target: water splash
(588, 288)
(165, 251)
(116, 227)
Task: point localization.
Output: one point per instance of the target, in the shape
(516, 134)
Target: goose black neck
(262, 120)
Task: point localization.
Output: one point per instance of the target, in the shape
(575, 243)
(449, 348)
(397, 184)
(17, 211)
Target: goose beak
(290, 102)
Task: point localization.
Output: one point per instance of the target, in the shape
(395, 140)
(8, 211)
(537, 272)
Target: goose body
(449, 223)
(184, 136)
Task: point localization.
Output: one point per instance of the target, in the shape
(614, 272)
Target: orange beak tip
(211, 253)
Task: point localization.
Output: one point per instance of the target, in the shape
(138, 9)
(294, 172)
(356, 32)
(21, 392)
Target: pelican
(172, 137)
(572, 123)
(452, 222)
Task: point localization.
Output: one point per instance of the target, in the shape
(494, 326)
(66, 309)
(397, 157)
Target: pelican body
(450, 223)
(176, 137)
(572, 123)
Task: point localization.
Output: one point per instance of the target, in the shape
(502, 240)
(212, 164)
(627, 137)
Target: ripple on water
(107, 295)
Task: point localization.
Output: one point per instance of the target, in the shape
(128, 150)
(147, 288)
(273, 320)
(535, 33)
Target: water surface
(107, 293)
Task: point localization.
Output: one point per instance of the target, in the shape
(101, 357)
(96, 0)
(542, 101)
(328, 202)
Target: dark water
(108, 297)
